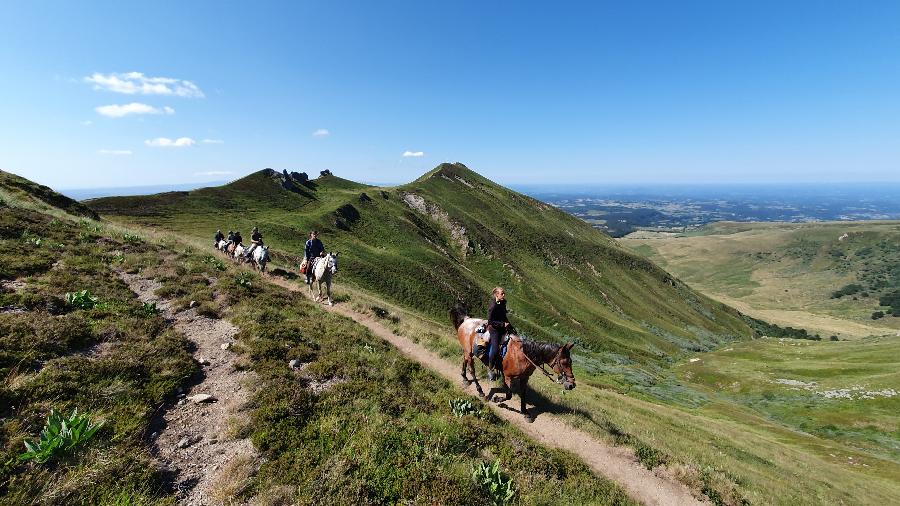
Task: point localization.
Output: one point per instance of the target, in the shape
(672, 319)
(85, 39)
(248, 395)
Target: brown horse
(521, 359)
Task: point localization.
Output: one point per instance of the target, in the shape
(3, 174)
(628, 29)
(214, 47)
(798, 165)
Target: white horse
(238, 253)
(261, 257)
(221, 245)
(324, 271)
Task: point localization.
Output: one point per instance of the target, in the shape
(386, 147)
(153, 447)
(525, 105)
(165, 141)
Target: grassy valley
(831, 278)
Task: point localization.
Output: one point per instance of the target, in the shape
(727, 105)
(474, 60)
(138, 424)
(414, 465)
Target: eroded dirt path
(616, 463)
(192, 438)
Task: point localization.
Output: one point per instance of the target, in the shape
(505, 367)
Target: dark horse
(521, 359)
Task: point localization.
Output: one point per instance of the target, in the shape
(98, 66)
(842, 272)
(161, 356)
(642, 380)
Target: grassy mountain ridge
(380, 432)
(19, 187)
(449, 237)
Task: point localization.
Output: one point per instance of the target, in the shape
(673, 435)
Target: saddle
(483, 341)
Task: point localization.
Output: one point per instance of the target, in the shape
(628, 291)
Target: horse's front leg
(328, 290)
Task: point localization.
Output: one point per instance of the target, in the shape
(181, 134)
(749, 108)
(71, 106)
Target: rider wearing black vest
(313, 250)
(498, 323)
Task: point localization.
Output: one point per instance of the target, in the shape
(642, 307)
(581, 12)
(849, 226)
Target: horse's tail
(458, 316)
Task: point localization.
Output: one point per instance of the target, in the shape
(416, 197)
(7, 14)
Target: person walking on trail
(256, 240)
(218, 238)
(498, 325)
(312, 251)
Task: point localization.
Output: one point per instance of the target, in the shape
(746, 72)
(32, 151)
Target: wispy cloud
(214, 173)
(87, 123)
(165, 142)
(114, 152)
(136, 83)
(413, 154)
(322, 132)
(213, 141)
(121, 110)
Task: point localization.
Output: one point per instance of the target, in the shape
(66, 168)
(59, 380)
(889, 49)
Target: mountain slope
(449, 237)
(18, 187)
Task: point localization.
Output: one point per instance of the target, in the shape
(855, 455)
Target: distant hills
(449, 237)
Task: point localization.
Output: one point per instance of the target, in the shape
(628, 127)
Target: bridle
(553, 364)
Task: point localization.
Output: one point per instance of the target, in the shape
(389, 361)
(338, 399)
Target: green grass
(565, 280)
(383, 433)
(633, 322)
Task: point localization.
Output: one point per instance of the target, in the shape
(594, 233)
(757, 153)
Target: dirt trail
(616, 463)
(192, 439)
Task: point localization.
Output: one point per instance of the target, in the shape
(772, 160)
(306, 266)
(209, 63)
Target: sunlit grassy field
(786, 273)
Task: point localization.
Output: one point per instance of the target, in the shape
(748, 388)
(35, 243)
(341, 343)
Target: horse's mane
(538, 349)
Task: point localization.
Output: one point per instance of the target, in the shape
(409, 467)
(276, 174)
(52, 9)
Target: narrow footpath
(192, 437)
(616, 463)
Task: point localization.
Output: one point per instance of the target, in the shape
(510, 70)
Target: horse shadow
(538, 404)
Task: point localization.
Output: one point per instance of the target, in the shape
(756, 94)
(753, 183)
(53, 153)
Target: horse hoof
(330, 303)
(529, 418)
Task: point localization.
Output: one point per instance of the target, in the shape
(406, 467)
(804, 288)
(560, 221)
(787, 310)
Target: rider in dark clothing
(313, 249)
(229, 239)
(255, 241)
(219, 236)
(498, 323)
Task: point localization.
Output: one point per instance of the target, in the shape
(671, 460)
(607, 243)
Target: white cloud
(213, 141)
(136, 83)
(121, 110)
(165, 142)
(214, 173)
(87, 123)
(413, 154)
(114, 152)
(322, 132)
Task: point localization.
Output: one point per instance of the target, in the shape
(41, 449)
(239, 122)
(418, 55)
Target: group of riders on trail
(508, 357)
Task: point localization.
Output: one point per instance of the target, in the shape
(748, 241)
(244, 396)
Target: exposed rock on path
(192, 439)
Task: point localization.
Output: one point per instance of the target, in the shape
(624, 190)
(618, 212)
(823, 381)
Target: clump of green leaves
(215, 262)
(32, 239)
(60, 435)
(461, 407)
(149, 309)
(81, 299)
(131, 238)
(245, 279)
(498, 487)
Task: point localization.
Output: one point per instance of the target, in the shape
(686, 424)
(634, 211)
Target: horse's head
(332, 262)
(562, 365)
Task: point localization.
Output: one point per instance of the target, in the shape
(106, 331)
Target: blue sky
(99, 93)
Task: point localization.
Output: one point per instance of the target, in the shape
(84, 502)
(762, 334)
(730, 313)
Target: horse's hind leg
(465, 379)
(523, 389)
(475, 377)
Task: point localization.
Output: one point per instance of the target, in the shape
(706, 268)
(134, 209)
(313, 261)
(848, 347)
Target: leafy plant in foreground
(149, 309)
(60, 435)
(81, 299)
(245, 279)
(461, 407)
(500, 488)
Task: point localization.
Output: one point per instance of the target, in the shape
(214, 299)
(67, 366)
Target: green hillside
(360, 424)
(15, 187)
(416, 249)
(452, 235)
(838, 278)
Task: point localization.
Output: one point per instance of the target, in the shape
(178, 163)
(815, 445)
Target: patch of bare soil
(192, 438)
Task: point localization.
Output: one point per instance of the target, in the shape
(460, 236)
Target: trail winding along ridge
(613, 462)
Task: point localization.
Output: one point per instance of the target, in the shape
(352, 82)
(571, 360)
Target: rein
(541, 367)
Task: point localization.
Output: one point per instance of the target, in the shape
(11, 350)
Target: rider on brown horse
(498, 324)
